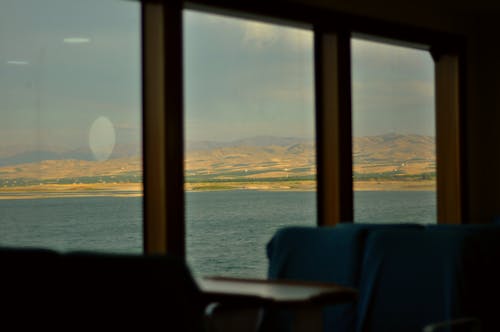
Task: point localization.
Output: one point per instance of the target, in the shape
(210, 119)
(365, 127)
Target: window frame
(164, 217)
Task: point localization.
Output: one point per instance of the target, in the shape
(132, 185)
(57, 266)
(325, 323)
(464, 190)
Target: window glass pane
(249, 139)
(70, 125)
(394, 158)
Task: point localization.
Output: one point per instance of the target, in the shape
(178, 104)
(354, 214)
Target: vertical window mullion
(153, 128)
(174, 125)
(163, 128)
(448, 139)
(334, 133)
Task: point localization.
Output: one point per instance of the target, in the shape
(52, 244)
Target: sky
(65, 65)
(247, 78)
(392, 89)
(70, 77)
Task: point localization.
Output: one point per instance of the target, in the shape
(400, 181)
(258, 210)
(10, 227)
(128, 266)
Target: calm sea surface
(226, 231)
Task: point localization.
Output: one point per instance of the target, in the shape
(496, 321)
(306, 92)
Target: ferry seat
(114, 292)
(411, 280)
(27, 287)
(482, 273)
(87, 291)
(328, 254)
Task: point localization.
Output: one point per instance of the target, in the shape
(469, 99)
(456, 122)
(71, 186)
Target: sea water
(226, 231)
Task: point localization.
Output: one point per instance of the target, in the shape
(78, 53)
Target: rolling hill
(255, 159)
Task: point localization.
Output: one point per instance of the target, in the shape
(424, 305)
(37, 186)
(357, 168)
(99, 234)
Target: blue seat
(320, 254)
(464, 227)
(482, 275)
(329, 254)
(408, 276)
(412, 279)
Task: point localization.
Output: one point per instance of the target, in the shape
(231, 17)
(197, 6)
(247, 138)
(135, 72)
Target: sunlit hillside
(255, 160)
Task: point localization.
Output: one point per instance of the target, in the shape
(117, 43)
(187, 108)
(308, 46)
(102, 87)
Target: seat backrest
(482, 275)
(43, 289)
(464, 227)
(120, 291)
(411, 279)
(27, 287)
(329, 254)
(317, 254)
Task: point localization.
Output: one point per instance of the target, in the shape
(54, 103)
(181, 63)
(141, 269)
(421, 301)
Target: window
(249, 139)
(75, 81)
(70, 133)
(394, 142)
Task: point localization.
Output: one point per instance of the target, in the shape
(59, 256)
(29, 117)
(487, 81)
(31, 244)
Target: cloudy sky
(244, 78)
(392, 89)
(65, 64)
(71, 68)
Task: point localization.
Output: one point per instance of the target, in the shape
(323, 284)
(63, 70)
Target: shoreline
(72, 190)
(136, 189)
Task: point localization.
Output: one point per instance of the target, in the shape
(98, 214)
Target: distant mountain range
(252, 159)
(32, 155)
(257, 141)
(394, 155)
(382, 156)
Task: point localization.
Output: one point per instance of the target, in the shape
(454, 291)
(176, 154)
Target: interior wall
(483, 121)
(437, 15)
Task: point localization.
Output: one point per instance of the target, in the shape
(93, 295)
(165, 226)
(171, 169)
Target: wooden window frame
(333, 126)
(163, 135)
(449, 154)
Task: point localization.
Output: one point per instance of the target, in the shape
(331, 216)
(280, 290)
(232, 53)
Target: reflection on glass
(249, 138)
(70, 125)
(394, 158)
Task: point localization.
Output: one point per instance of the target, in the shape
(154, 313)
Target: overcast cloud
(64, 64)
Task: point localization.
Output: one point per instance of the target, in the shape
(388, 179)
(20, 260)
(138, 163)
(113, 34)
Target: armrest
(465, 324)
